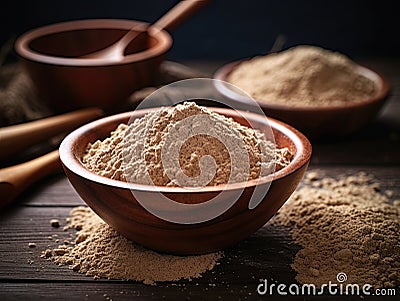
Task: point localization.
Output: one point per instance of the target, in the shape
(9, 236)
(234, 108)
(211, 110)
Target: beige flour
(135, 151)
(101, 252)
(347, 226)
(303, 76)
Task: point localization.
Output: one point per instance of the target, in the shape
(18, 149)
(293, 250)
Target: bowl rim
(73, 164)
(23, 50)
(223, 72)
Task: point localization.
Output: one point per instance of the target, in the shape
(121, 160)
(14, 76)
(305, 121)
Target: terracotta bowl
(65, 81)
(113, 201)
(317, 122)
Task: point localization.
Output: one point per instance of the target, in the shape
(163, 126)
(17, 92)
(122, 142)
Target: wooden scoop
(176, 15)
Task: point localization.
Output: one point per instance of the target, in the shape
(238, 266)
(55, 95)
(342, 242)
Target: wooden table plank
(267, 254)
(378, 144)
(31, 224)
(128, 291)
(55, 190)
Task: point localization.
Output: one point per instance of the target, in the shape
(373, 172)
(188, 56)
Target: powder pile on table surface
(303, 76)
(101, 252)
(344, 225)
(134, 152)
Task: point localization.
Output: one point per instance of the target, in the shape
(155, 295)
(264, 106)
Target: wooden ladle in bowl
(177, 14)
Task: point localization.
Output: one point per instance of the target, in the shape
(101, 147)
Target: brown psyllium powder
(136, 150)
(344, 225)
(101, 252)
(303, 76)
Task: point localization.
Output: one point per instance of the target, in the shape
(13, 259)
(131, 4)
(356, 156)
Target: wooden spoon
(15, 179)
(177, 14)
(15, 138)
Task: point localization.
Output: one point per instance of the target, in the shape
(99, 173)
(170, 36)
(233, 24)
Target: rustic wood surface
(267, 254)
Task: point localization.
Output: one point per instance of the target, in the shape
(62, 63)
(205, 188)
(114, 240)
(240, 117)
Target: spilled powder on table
(303, 76)
(344, 225)
(134, 152)
(101, 252)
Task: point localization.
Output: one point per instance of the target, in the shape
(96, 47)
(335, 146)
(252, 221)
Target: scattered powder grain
(55, 223)
(135, 151)
(101, 252)
(344, 225)
(303, 76)
(31, 245)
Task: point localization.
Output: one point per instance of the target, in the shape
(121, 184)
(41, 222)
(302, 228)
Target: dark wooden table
(267, 254)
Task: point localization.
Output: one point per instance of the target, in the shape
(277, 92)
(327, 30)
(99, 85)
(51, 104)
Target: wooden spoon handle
(15, 179)
(17, 137)
(183, 10)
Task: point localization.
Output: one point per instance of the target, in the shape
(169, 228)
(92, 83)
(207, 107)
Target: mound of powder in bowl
(99, 251)
(303, 76)
(134, 152)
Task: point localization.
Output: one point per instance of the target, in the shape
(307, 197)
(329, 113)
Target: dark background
(231, 29)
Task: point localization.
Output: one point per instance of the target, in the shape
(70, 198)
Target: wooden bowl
(113, 201)
(317, 122)
(65, 81)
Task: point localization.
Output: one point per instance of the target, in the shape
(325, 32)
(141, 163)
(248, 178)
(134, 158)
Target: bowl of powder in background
(318, 91)
(93, 159)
